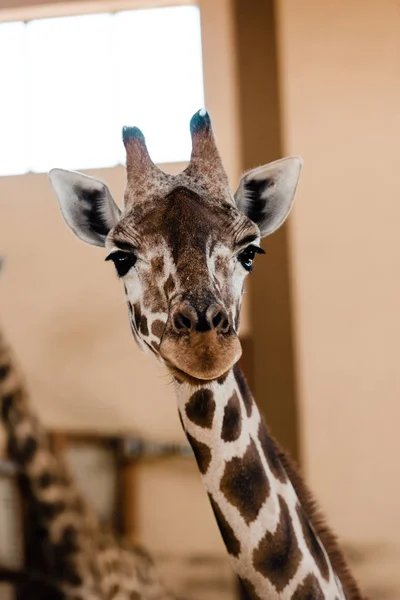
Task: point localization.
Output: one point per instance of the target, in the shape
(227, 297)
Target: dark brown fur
(245, 484)
(278, 554)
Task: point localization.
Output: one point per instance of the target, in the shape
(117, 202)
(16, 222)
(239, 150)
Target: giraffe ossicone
(183, 246)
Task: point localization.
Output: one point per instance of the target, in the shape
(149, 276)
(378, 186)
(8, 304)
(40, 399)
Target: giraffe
(182, 246)
(70, 556)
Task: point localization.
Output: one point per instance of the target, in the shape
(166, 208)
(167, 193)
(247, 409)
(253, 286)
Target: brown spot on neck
(243, 389)
(278, 554)
(200, 408)
(232, 423)
(309, 589)
(201, 452)
(231, 542)
(245, 483)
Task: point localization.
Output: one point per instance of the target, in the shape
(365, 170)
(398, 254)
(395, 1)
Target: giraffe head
(182, 245)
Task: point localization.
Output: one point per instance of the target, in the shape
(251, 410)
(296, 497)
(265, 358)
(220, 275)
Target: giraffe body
(182, 246)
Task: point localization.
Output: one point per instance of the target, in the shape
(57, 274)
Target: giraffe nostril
(184, 319)
(224, 325)
(182, 322)
(217, 319)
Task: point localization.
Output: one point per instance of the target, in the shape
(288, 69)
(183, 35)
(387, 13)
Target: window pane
(12, 116)
(69, 85)
(70, 93)
(159, 77)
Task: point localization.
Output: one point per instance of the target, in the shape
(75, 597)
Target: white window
(69, 85)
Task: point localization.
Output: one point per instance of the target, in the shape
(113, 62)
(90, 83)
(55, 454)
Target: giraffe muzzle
(200, 345)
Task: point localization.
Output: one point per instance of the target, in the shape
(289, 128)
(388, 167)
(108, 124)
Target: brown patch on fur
(245, 484)
(201, 407)
(270, 454)
(144, 330)
(231, 542)
(278, 554)
(157, 328)
(244, 390)
(201, 452)
(324, 534)
(309, 589)
(313, 544)
(155, 345)
(154, 300)
(157, 266)
(169, 286)
(137, 313)
(232, 422)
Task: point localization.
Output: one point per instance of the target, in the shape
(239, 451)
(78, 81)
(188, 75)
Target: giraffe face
(182, 246)
(183, 260)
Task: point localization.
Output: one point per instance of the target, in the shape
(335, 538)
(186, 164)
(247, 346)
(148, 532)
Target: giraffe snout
(199, 344)
(186, 318)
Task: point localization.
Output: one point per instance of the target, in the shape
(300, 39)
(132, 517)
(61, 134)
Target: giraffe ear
(86, 205)
(266, 194)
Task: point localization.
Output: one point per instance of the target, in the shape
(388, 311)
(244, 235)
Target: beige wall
(270, 313)
(340, 83)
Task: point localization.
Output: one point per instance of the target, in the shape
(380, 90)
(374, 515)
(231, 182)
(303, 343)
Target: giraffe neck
(256, 496)
(57, 514)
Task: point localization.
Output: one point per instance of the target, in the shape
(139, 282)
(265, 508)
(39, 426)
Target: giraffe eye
(246, 257)
(123, 261)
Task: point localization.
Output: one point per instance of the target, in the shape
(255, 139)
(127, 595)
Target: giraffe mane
(317, 519)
